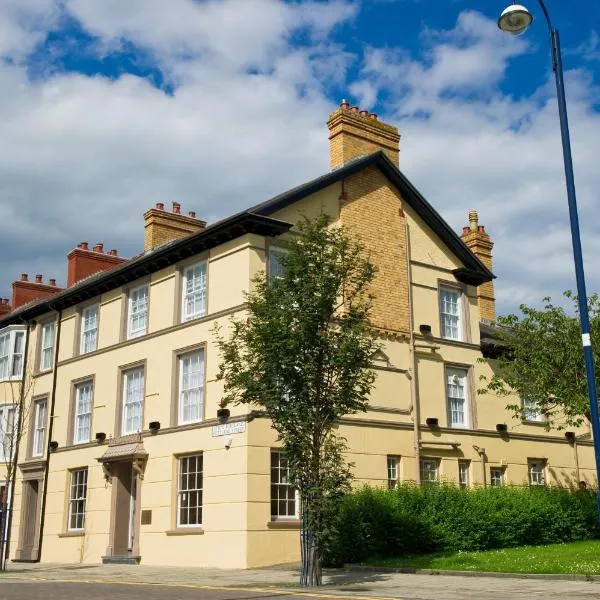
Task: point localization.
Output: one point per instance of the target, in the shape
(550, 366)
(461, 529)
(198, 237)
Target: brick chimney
(83, 262)
(5, 307)
(480, 244)
(354, 132)
(161, 226)
(24, 291)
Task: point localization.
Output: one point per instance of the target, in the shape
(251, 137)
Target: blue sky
(109, 107)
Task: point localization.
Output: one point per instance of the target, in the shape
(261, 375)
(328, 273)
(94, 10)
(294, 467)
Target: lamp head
(515, 19)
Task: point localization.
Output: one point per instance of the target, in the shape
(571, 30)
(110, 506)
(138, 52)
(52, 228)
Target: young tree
(302, 354)
(543, 362)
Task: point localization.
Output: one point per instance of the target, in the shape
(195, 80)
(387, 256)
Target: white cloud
(81, 158)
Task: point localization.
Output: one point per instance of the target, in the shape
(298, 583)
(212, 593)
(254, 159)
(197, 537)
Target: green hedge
(411, 520)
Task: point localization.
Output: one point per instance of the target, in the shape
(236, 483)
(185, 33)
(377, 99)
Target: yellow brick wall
(480, 244)
(372, 211)
(161, 227)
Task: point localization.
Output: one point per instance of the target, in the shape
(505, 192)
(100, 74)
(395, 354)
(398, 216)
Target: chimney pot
(84, 245)
(192, 214)
(473, 220)
(99, 248)
(160, 206)
(24, 277)
(38, 278)
(176, 208)
(345, 104)
(466, 230)
(52, 282)
(373, 116)
(5, 301)
(113, 252)
(364, 113)
(354, 109)
(481, 229)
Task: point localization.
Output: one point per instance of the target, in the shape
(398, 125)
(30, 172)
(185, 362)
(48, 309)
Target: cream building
(125, 453)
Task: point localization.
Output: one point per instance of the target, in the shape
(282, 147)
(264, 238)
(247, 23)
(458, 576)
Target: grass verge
(575, 558)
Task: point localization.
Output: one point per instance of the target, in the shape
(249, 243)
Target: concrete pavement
(144, 581)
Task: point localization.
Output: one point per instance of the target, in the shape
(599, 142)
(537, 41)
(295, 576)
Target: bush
(412, 519)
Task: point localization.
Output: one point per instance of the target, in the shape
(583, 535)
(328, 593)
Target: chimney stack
(480, 244)
(83, 262)
(354, 132)
(5, 307)
(161, 226)
(25, 291)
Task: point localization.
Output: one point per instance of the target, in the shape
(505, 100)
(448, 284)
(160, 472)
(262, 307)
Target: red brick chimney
(5, 307)
(24, 291)
(83, 262)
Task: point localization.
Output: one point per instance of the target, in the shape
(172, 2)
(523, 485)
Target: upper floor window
(536, 471)
(531, 411)
(137, 322)
(47, 347)
(393, 475)
(39, 428)
(12, 349)
(450, 313)
(456, 392)
(191, 387)
(82, 423)
(275, 265)
(284, 496)
(194, 292)
(89, 329)
(133, 401)
(8, 424)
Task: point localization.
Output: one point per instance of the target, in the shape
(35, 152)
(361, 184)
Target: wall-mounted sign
(229, 428)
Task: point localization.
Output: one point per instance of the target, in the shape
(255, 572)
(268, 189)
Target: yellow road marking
(198, 586)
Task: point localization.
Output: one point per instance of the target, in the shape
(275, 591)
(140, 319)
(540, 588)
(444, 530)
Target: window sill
(534, 423)
(68, 534)
(283, 524)
(185, 531)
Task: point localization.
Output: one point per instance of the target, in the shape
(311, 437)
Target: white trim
(139, 310)
(196, 277)
(89, 329)
(9, 355)
(450, 310)
(47, 350)
(86, 387)
(133, 400)
(39, 428)
(457, 379)
(187, 387)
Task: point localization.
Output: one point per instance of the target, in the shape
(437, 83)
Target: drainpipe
(576, 451)
(481, 452)
(414, 388)
(15, 458)
(50, 430)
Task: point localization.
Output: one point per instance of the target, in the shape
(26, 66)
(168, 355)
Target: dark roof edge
(474, 271)
(150, 262)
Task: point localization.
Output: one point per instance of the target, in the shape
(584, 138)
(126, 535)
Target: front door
(28, 537)
(125, 530)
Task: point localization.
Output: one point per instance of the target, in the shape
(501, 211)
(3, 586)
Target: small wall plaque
(229, 428)
(146, 517)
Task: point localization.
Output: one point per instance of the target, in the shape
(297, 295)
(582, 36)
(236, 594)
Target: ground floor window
(463, 473)
(77, 499)
(393, 471)
(189, 492)
(536, 470)
(496, 476)
(284, 496)
(429, 470)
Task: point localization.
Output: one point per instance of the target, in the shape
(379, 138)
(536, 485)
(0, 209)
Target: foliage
(302, 354)
(581, 558)
(413, 520)
(545, 361)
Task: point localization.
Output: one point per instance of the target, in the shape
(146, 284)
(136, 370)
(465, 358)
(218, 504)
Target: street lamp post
(516, 19)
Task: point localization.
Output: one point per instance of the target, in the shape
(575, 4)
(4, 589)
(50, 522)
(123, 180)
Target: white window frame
(496, 476)
(428, 466)
(393, 471)
(464, 473)
(137, 309)
(183, 495)
(285, 491)
(274, 266)
(536, 471)
(451, 323)
(39, 428)
(89, 329)
(531, 411)
(187, 386)
(8, 423)
(82, 412)
(452, 383)
(9, 358)
(199, 293)
(133, 400)
(77, 498)
(47, 347)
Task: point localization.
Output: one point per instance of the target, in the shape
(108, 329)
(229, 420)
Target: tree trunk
(3, 517)
(311, 573)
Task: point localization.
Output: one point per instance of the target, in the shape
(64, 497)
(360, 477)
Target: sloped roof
(256, 220)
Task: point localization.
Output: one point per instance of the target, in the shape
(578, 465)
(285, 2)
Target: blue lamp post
(515, 20)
